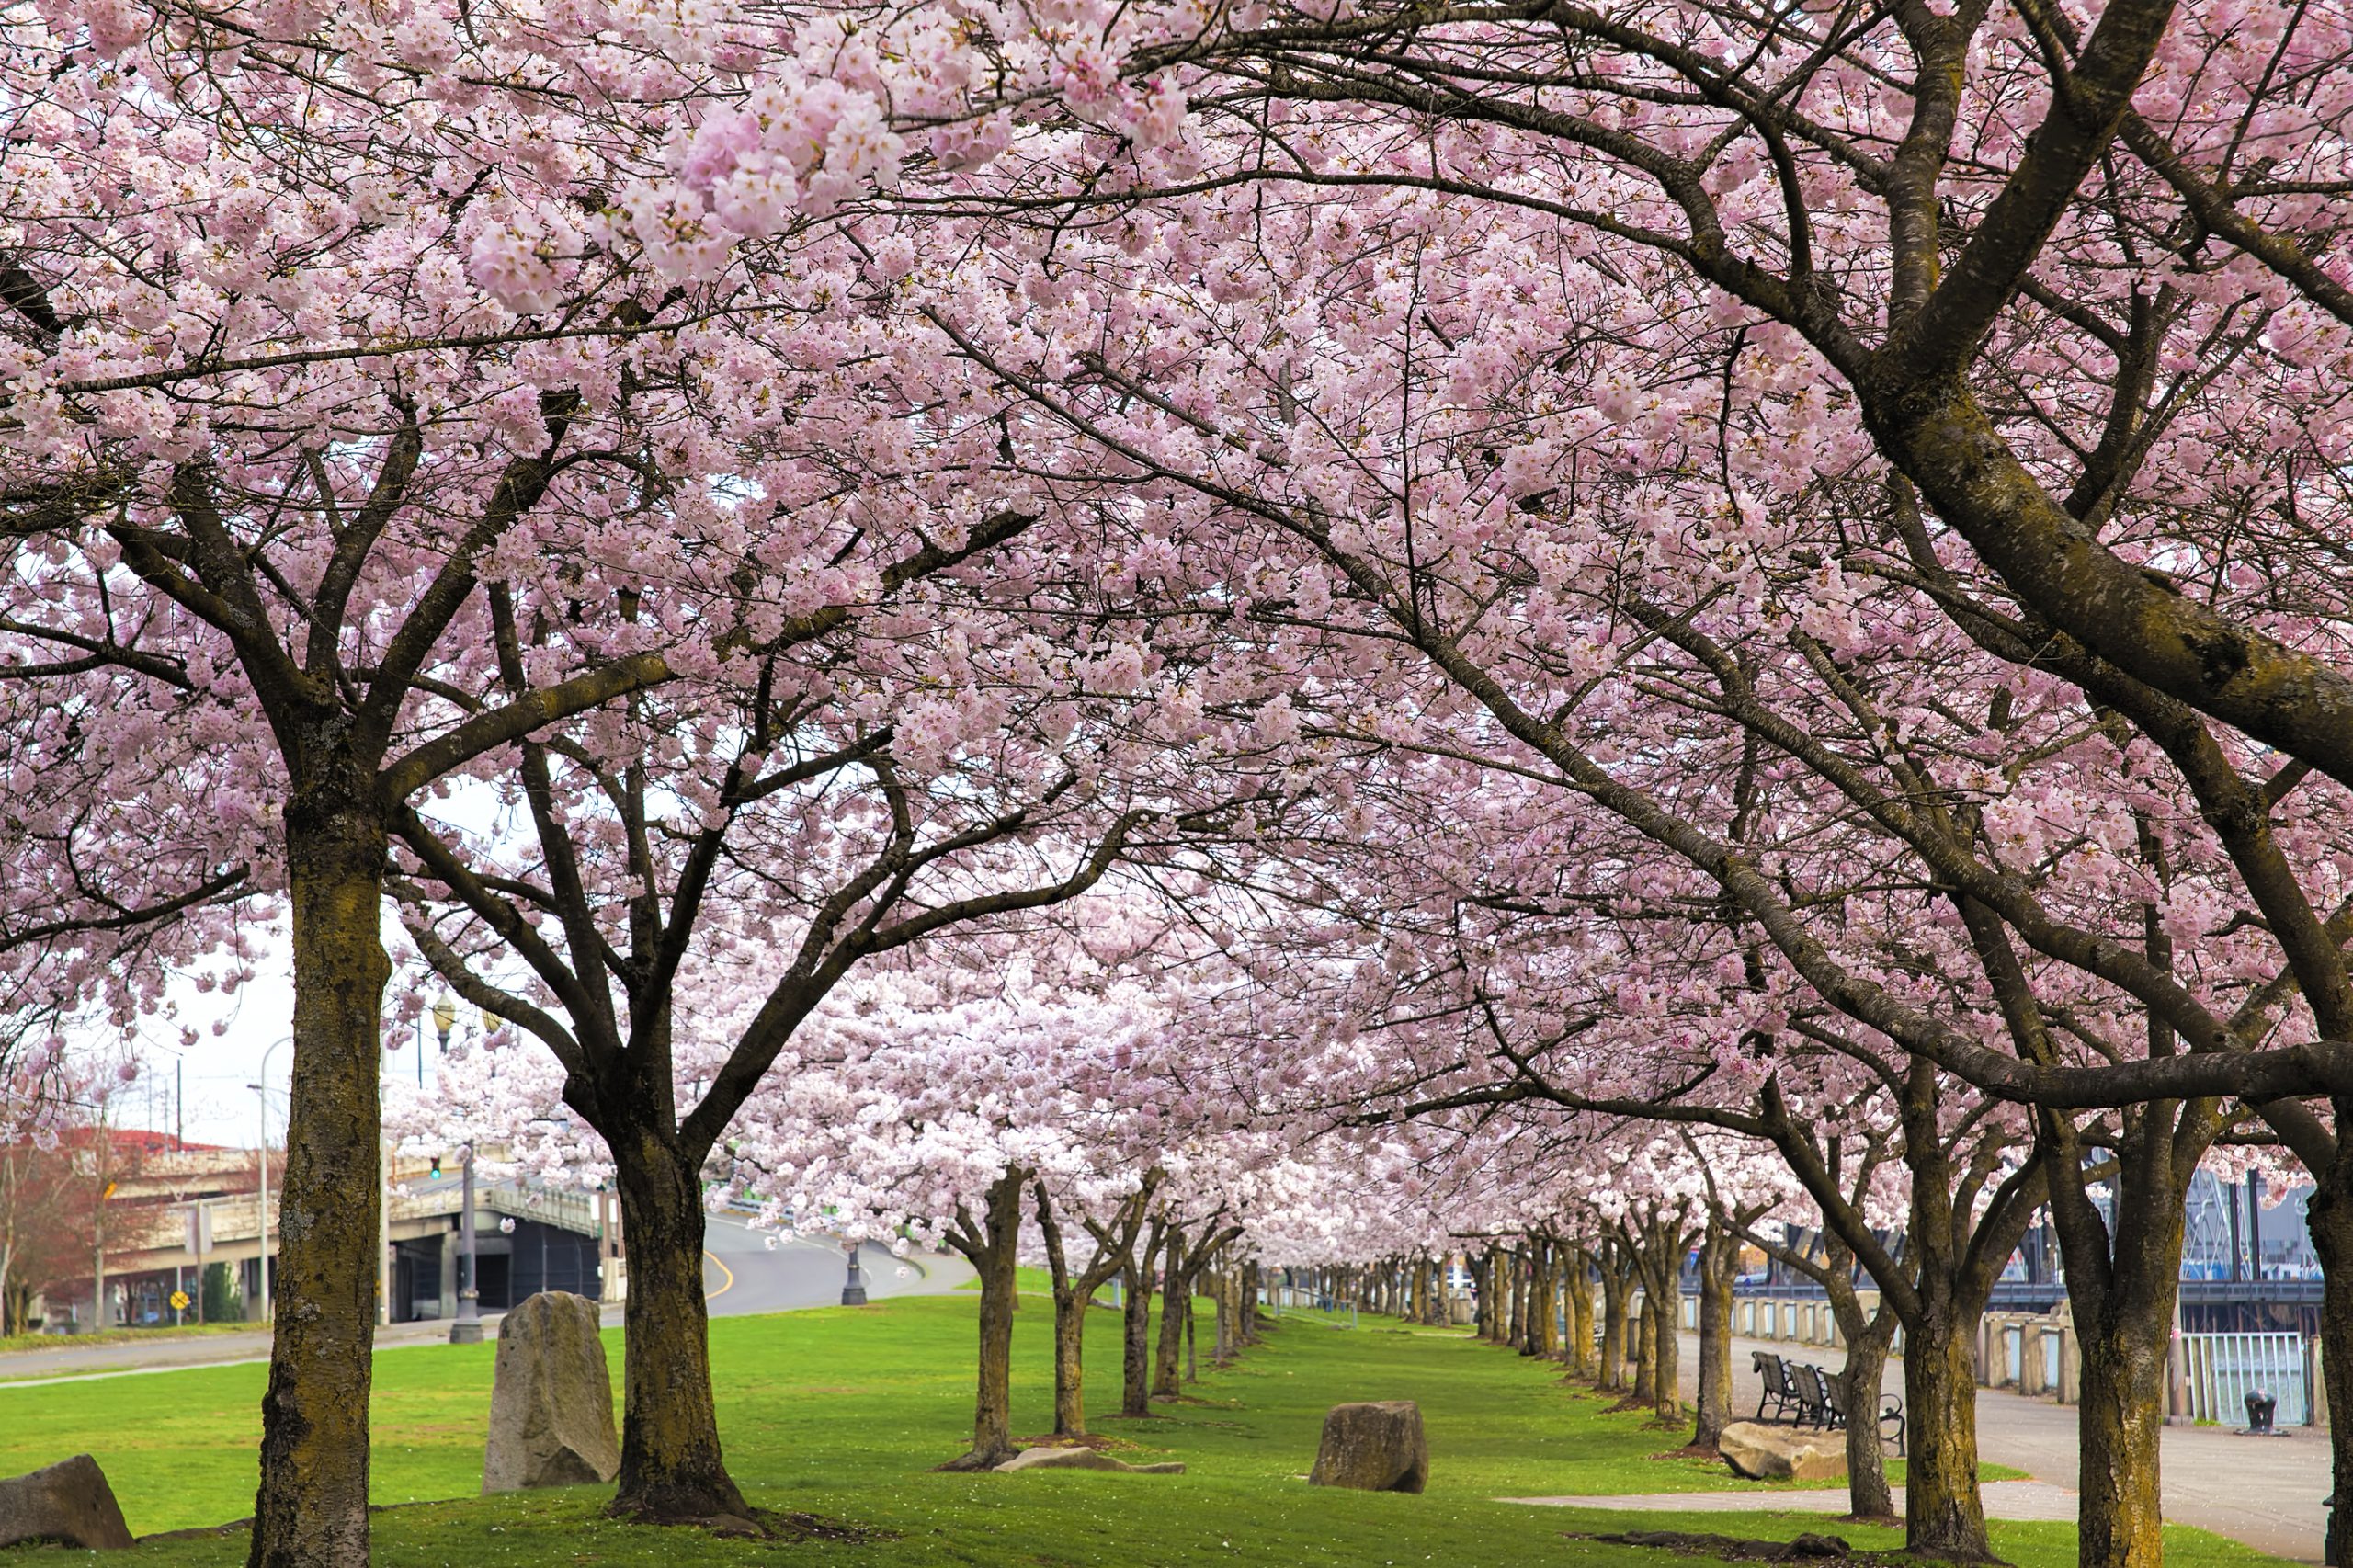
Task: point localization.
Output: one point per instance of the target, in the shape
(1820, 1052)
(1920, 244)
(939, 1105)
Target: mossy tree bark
(673, 1470)
(1175, 1311)
(1617, 1298)
(1719, 1261)
(1579, 1354)
(1523, 1297)
(1666, 1391)
(1115, 1243)
(1657, 1242)
(1646, 1389)
(1944, 1513)
(1135, 1324)
(1542, 1337)
(988, 1242)
(1860, 1385)
(2329, 1212)
(311, 1510)
(2123, 1278)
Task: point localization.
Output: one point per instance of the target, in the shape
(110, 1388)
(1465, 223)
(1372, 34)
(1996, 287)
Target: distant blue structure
(2247, 1264)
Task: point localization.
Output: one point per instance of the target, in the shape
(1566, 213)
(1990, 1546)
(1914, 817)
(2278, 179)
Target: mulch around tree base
(1815, 1551)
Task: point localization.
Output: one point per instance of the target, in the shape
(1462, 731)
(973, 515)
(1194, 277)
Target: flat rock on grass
(1081, 1459)
(68, 1502)
(1761, 1452)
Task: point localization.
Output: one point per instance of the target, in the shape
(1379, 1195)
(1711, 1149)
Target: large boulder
(69, 1502)
(1783, 1453)
(552, 1404)
(1376, 1447)
(1081, 1459)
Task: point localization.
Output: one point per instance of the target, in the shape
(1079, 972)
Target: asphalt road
(745, 1272)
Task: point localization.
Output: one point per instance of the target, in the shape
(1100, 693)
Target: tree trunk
(1523, 1312)
(1192, 1370)
(1072, 1292)
(1617, 1291)
(1944, 1513)
(1579, 1353)
(2121, 1513)
(2123, 1275)
(1645, 1388)
(1069, 1367)
(2329, 1211)
(1860, 1382)
(1542, 1323)
(1175, 1311)
(992, 1252)
(1719, 1257)
(1135, 1326)
(311, 1510)
(1667, 1351)
(672, 1469)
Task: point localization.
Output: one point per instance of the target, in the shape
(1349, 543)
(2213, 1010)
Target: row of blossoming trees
(981, 610)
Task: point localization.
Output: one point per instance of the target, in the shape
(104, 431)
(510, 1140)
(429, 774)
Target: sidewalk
(2004, 1500)
(2266, 1492)
(30, 1368)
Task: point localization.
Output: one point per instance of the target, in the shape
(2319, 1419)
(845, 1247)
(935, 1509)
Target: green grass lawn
(842, 1413)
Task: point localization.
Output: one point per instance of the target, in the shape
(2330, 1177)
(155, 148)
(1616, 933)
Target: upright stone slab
(551, 1404)
(68, 1502)
(1377, 1446)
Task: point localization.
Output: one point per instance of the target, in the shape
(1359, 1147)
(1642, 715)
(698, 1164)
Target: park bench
(1810, 1390)
(1890, 1409)
(1780, 1391)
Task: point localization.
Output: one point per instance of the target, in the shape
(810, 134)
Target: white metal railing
(2220, 1369)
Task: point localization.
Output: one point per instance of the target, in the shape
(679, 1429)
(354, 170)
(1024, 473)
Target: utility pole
(466, 1328)
(98, 1323)
(261, 1099)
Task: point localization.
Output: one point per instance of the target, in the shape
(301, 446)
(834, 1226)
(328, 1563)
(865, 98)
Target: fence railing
(2220, 1369)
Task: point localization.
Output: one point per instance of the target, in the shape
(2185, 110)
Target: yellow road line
(712, 1258)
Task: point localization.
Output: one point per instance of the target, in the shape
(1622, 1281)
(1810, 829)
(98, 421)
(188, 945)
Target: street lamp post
(854, 1288)
(466, 1328)
(261, 1099)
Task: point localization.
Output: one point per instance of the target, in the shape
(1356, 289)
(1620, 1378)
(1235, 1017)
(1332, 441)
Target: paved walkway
(2004, 1500)
(2266, 1492)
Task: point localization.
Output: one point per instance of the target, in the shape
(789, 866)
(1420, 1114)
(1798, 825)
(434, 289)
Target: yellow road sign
(180, 1300)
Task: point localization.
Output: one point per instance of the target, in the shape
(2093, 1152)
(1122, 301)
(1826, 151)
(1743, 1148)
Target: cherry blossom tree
(317, 324)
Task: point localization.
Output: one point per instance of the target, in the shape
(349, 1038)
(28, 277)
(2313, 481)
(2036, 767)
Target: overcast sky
(209, 1083)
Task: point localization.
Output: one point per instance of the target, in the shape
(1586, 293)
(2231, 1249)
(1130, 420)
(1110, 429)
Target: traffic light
(436, 1165)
